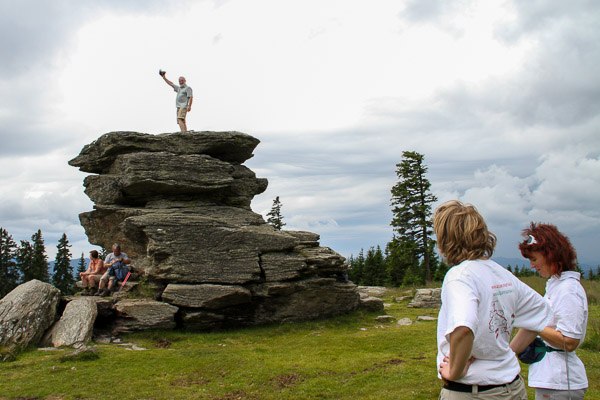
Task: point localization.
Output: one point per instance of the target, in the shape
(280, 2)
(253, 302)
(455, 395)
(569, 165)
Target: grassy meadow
(349, 357)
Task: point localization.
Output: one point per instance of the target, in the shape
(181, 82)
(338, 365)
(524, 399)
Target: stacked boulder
(179, 206)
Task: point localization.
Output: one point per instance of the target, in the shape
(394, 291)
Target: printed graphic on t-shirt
(498, 323)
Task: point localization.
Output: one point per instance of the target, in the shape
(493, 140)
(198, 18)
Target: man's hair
(94, 253)
(116, 246)
(462, 233)
(548, 240)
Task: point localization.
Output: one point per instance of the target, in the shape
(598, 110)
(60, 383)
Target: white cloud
(502, 98)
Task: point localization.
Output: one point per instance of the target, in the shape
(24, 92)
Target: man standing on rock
(183, 101)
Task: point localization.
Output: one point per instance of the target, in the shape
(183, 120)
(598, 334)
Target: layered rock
(179, 205)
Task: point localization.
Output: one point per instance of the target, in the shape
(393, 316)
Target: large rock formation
(179, 205)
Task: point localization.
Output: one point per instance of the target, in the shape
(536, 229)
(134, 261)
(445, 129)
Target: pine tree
(275, 218)
(374, 272)
(9, 275)
(401, 255)
(81, 265)
(357, 266)
(39, 261)
(591, 275)
(63, 272)
(440, 272)
(411, 206)
(24, 259)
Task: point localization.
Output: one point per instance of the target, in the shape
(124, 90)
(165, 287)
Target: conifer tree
(357, 266)
(411, 207)
(9, 275)
(24, 259)
(440, 272)
(517, 271)
(275, 218)
(591, 275)
(81, 264)
(63, 272)
(401, 255)
(374, 271)
(39, 261)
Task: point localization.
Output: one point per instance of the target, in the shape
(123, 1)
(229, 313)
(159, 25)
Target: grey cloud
(430, 10)
(537, 16)
(31, 31)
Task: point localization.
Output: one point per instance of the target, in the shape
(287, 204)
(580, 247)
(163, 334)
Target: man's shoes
(105, 293)
(98, 292)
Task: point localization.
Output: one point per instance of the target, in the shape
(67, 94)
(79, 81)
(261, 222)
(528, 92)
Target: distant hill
(74, 265)
(506, 261)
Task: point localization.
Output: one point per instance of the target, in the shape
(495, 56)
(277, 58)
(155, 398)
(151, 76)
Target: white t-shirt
(489, 300)
(569, 305)
(183, 95)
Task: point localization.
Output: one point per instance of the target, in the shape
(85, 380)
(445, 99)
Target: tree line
(20, 263)
(410, 257)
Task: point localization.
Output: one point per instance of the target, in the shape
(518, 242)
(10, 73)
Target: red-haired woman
(560, 374)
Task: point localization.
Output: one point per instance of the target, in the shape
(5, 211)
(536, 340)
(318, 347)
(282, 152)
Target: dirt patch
(162, 343)
(384, 364)
(287, 380)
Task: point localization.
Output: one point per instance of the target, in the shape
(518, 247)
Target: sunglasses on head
(531, 240)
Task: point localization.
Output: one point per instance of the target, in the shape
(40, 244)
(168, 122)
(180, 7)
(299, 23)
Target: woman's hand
(445, 368)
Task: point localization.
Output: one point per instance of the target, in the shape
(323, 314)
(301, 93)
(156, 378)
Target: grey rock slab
(207, 296)
(26, 313)
(143, 314)
(98, 156)
(75, 326)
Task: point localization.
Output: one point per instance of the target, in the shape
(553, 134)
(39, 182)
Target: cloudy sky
(501, 97)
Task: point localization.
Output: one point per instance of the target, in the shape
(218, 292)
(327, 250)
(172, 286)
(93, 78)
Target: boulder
(26, 313)
(427, 298)
(143, 314)
(75, 326)
(371, 304)
(374, 291)
(304, 300)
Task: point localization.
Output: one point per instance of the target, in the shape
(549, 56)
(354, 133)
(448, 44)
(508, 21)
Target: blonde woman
(481, 304)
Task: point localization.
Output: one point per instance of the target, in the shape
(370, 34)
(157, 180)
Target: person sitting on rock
(91, 277)
(117, 263)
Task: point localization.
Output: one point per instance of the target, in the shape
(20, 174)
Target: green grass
(349, 357)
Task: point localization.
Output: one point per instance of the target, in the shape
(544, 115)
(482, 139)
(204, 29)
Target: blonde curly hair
(462, 233)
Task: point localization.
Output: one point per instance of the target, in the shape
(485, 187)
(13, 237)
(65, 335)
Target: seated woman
(91, 277)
